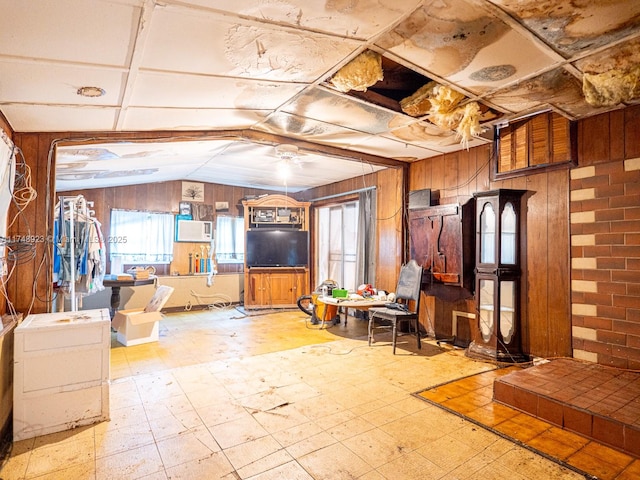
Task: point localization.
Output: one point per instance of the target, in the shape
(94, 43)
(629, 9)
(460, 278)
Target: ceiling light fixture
(283, 169)
(91, 92)
(286, 151)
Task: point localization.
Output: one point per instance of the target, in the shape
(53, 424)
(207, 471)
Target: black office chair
(406, 305)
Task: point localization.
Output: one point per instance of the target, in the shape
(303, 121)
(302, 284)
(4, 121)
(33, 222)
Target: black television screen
(277, 248)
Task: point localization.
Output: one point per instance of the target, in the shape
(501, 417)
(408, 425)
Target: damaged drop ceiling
(357, 85)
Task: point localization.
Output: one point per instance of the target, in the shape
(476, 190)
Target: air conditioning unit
(193, 231)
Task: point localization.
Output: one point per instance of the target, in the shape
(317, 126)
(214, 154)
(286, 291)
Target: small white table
(357, 304)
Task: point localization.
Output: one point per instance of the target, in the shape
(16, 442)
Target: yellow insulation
(419, 103)
(611, 88)
(446, 100)
(360, 73)
(443, 106)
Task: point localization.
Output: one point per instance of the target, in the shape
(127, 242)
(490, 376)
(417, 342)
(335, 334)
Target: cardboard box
(140, 325)
(136, 326)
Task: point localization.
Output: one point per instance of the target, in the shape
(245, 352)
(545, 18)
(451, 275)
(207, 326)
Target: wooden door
(282, 288)
(254, 294)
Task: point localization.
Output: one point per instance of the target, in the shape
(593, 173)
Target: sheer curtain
(229, 239)
(366, 248)
(141, 237)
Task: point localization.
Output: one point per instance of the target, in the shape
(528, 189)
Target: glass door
(336, 240)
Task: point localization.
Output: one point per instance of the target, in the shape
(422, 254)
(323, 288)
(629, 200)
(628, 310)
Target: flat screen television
(277, 248)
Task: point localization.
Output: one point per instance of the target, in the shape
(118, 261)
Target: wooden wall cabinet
(276, 211)
(442, 241)
(275, 286)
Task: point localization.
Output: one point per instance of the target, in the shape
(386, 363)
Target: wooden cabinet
(442, 242)
(276, 211)
(499, 221)
(274, 287)
(276, 270)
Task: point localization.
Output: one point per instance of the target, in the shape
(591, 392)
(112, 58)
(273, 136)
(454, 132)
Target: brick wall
(605, 263)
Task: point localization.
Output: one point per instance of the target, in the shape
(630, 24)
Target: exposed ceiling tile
(262, 73)
(219, 45)
(190, 119)
(329, 107)
(572, 28)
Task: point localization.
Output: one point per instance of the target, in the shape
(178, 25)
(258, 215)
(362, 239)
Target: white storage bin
(61, 372)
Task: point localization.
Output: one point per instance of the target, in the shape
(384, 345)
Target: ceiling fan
(290, 155)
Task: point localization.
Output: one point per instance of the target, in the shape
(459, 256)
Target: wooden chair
(407, 301)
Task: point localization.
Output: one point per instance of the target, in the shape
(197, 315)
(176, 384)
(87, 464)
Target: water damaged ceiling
(356, 85)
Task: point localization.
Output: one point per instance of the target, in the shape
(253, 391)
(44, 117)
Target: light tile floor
(227, 396)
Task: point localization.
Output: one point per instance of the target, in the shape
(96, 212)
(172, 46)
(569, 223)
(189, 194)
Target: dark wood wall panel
(32, 222)
(631, 132)
(616, 124)
(535, 331)
(558, 261)
(594, 148)
(6, 127)
(545, 287)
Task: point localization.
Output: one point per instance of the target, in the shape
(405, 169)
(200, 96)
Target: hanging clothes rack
(76, 244)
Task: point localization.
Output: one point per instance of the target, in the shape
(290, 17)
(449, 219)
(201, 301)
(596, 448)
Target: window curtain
(142, 237)
(229, 239)
(366, 251)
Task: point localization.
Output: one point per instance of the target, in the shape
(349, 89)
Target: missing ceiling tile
(408, 92)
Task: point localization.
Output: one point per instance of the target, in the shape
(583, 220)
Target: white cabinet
(61, 372)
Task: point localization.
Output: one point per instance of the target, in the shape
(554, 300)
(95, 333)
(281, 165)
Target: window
(337, 240)
(141, 237)
(229, 239)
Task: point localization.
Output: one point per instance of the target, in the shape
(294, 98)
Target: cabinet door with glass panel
(498, 274)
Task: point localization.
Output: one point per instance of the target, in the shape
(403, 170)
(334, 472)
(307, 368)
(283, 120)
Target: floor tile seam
(57, 468)
(198, 459)
(297, 457)
(515, 441)
(117, 435)
(372, 467)
(236, 468)
(162, 468)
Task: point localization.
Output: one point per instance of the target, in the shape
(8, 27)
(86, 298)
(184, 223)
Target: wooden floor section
(473, 399)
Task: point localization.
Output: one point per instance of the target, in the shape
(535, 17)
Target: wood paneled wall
(547, 321)
(546, 326)
(165, 197)
(30, 286)
(391, 231)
